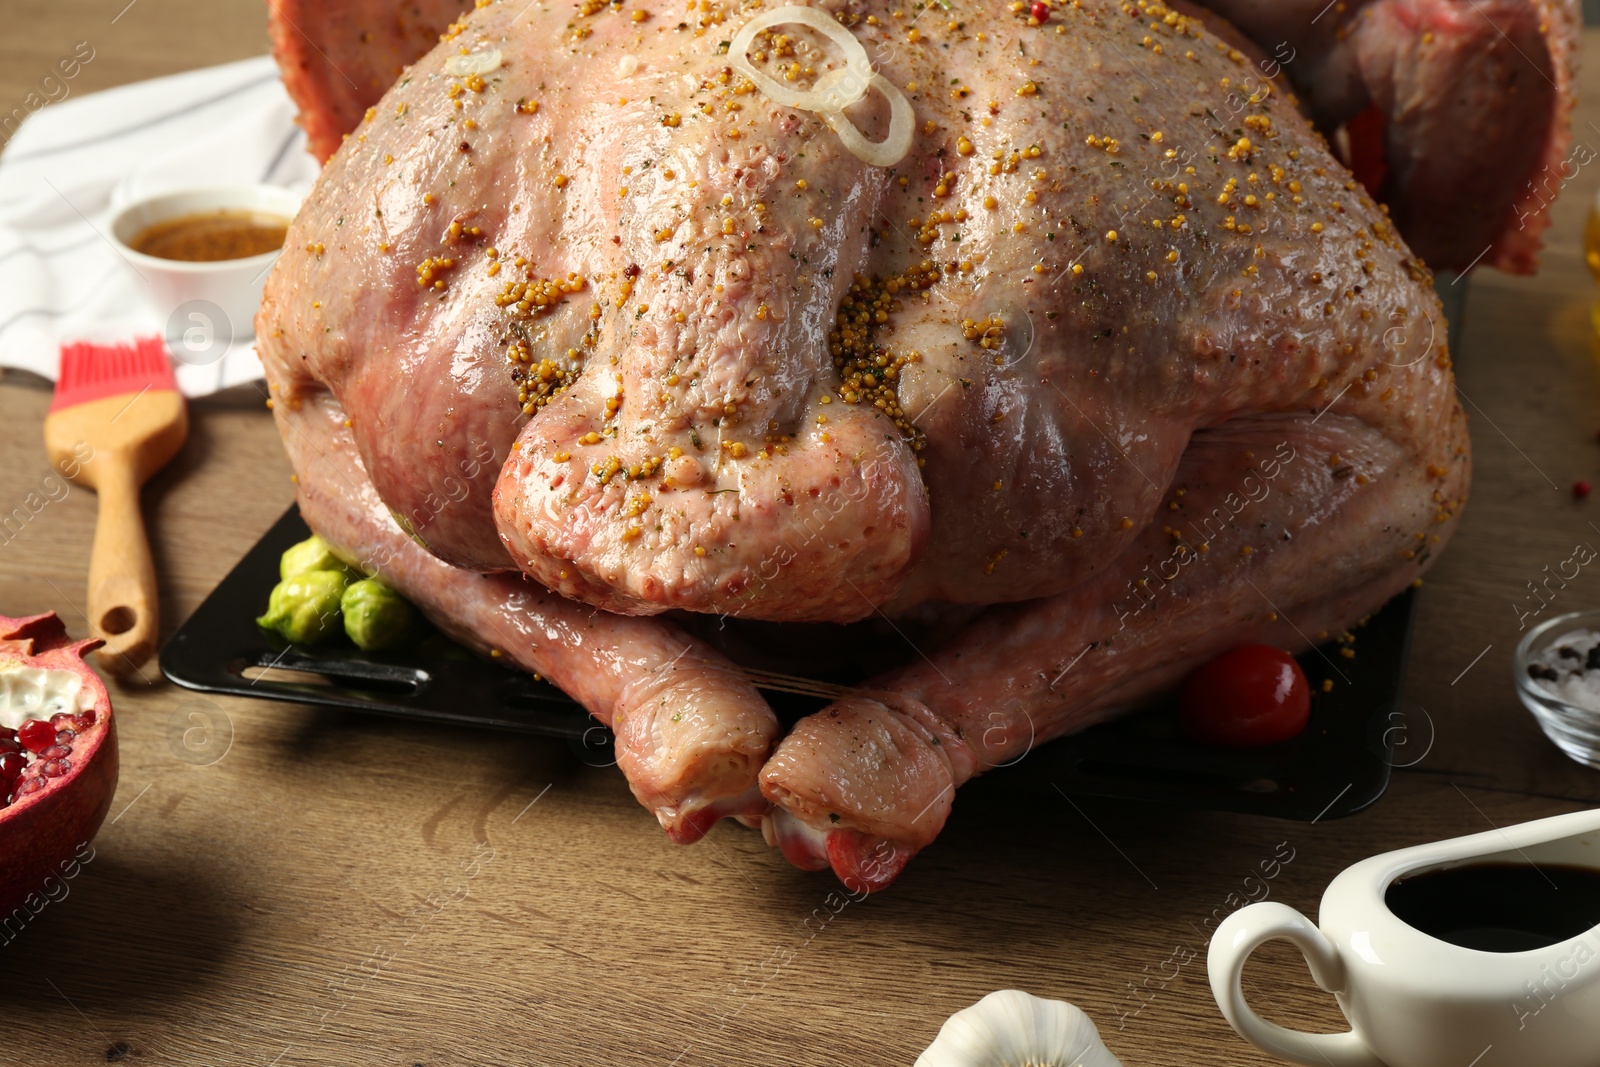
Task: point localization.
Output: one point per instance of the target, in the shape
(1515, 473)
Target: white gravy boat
(1412, 999)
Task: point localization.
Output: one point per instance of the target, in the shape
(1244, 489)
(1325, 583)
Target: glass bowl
(1574, 729)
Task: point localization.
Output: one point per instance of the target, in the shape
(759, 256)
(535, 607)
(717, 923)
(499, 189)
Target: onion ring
(835, 99)
(902, 127)
(837, 89)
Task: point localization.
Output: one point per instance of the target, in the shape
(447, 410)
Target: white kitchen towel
(75, 162)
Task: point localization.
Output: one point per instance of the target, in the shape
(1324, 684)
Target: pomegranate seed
(1040, 11)
(65, 737)
(61, 719)
(28, 787)
(55, 752)
(12, 764)
(7, 734)
(84, 719)
(10, 745)
(36, 734)
(56, 768)
(1581, 489)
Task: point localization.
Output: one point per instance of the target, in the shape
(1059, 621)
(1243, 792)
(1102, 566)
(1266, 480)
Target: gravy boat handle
(1247, 930)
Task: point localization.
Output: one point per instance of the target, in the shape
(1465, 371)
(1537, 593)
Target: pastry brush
(116, 419)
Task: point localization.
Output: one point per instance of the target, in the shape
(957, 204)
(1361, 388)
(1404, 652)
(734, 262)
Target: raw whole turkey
(1054, 338)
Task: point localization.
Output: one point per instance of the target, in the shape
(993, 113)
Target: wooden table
(348, 890)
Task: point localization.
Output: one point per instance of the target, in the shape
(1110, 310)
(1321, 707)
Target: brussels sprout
(312, 554)
(375, 616)
(305, 608)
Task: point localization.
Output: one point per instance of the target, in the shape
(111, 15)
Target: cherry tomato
(1254, 695)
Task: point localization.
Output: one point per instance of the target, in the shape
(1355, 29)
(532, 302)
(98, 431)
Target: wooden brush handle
(122, 577)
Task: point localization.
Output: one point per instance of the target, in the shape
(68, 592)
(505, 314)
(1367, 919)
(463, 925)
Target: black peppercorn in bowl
(1556, 670)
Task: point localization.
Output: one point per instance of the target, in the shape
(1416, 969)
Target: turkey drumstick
(691, 732)
(1286, 528)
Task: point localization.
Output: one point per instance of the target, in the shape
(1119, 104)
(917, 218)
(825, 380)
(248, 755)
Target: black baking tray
(1340, 765)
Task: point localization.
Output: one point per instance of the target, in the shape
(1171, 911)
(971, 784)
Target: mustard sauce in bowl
(212, 236)
(202, 255)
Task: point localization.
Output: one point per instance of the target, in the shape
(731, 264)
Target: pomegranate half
(58, 763)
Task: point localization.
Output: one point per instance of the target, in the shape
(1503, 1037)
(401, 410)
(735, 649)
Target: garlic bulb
(1012, 1029)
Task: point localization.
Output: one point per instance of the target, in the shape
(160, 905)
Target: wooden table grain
(291, 886)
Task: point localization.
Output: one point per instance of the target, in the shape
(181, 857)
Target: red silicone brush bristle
(90, 371)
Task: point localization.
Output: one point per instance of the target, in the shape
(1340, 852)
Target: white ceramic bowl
(204, 306)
